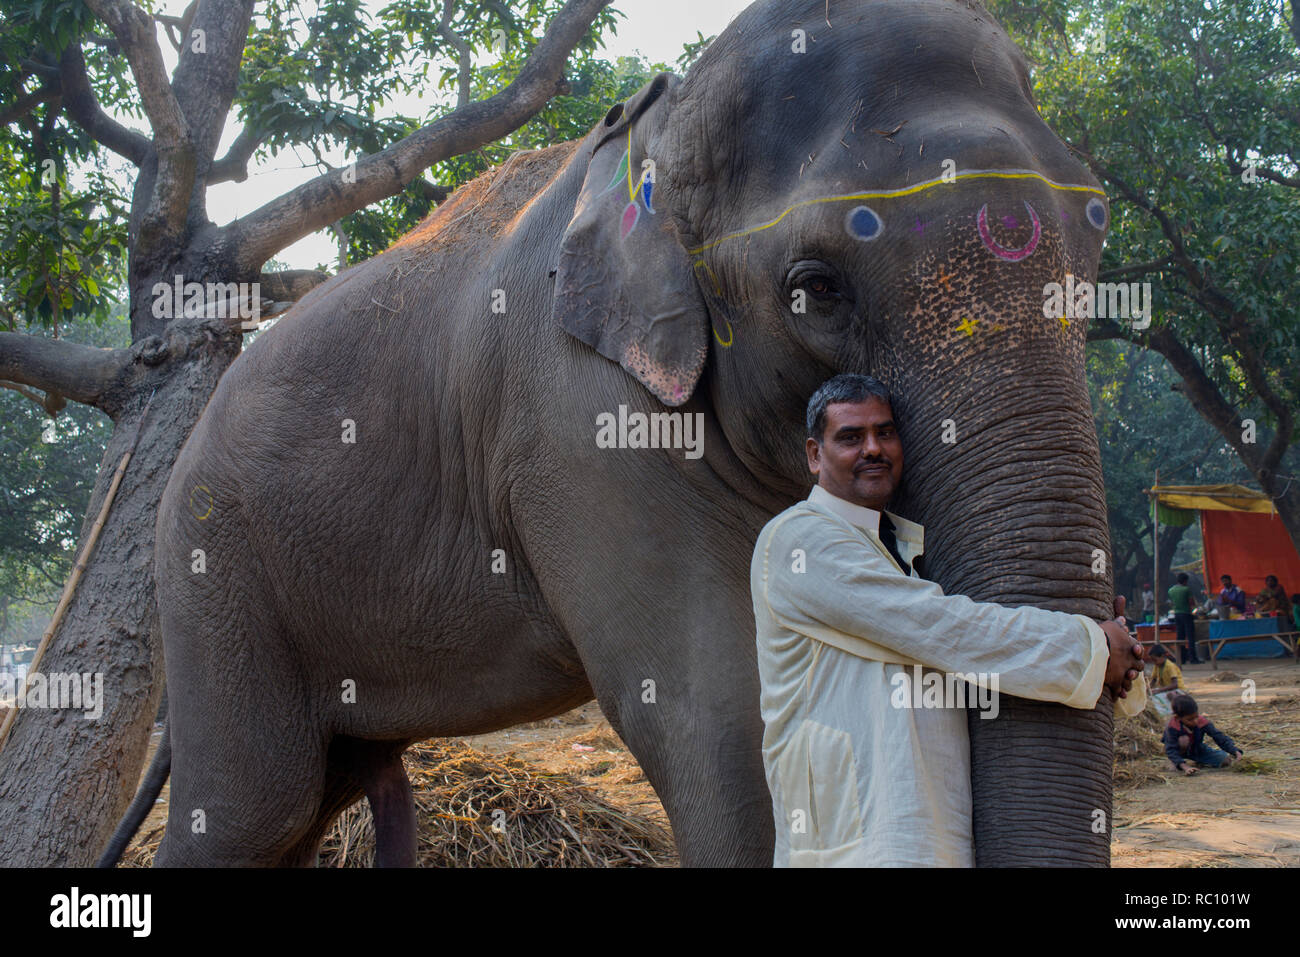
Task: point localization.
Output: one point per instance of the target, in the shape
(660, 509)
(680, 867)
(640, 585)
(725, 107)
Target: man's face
(1226, 581)
(860, 456)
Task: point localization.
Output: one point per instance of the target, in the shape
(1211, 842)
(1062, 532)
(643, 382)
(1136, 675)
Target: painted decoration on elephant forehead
(1006, 252)
(865, 224)
(639, 192)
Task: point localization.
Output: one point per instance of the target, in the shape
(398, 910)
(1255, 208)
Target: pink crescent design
(1002, 252)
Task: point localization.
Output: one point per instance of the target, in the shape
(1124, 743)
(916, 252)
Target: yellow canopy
(1220, 498)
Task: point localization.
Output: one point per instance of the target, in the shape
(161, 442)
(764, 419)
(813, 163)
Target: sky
(656, 29)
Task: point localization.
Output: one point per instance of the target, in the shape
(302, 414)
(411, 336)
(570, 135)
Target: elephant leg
(249, 809)
(379, 767)
(705, 762)
(341, 791)
(248, 759)
(374, 769)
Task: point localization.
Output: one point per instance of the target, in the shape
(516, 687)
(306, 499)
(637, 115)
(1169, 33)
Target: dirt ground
(1225, 818)
(1233, 817)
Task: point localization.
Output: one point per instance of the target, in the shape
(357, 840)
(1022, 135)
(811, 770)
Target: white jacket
(859, 775)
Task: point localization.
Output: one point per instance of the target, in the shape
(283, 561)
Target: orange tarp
(1248, 546)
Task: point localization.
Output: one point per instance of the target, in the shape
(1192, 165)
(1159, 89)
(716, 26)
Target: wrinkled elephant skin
(421, 508)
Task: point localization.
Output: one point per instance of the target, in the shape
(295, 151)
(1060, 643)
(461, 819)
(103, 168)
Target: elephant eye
(821, 287)
(816, 280)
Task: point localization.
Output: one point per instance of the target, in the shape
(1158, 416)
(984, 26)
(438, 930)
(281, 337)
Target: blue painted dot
(863, 224)
(1097, 213)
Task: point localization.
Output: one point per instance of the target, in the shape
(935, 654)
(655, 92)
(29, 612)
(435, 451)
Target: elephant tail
(143, 803)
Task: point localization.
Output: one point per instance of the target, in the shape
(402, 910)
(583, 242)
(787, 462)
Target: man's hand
(1125, 662)
(1188, 770)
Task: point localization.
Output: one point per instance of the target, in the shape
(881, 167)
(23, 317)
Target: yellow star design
(968, 325)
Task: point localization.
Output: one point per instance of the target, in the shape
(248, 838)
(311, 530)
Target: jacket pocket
(819, 780)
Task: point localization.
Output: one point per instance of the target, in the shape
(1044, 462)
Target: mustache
(869, 463)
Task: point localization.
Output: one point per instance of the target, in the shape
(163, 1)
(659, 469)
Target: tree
(1142, 426)
(1188, 111)
(293, 78)
(47, 468)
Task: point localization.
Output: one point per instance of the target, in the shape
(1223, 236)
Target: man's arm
(853, 590)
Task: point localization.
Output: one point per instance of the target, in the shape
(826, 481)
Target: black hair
(1182, 578)
(1184, 705)
(1159, 650)
(846, 387)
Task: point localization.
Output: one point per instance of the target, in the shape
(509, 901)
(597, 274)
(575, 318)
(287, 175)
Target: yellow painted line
(906, 191)
(631, 190)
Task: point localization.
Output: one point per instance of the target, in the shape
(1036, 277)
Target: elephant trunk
(1014, 512)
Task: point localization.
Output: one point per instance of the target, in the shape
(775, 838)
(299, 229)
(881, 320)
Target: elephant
(432, 500)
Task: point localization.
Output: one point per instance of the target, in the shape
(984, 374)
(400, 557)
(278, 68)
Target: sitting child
(1184, 739)
(1166, 680)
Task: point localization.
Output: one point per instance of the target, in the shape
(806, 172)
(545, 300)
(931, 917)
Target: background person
(1231, 597)
(1184, 739)
(1166, 680)
(1180, 596)
(1272, 599)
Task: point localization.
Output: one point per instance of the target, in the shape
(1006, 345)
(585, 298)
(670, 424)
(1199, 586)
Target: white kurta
(856, 780)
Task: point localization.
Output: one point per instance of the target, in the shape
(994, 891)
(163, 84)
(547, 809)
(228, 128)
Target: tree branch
(1237, 168)
(326, 199)
(47, 71)
(233, 167)
(165, 215)
(51, 402)
(25, 104)
(1137, 269)
(81, 373)
(1216, 302)
(1202, 392)
(205, 83)
(82, 106)
(290, 285)
(434, 194)
(464, 63)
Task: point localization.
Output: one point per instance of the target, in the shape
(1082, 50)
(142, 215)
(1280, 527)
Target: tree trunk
(66, 780)
(1285, 493)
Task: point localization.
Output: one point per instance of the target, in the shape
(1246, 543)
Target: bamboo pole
(70, 588)
(1155, 548)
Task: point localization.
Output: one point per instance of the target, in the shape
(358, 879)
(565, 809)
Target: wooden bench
(1287, 639)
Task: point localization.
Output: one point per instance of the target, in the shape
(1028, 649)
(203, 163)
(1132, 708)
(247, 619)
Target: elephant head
(869, 187)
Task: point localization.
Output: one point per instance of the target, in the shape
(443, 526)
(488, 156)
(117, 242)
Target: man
(1148, 603)
(1180, 597)
(1230, 596)
(1273, 600)
(855, 778)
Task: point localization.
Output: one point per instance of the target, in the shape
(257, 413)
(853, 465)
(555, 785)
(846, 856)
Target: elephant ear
(624, 283)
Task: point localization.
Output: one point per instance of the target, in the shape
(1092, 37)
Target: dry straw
(546, 820)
